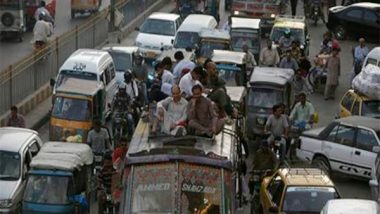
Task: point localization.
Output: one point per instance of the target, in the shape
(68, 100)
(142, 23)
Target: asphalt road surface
(349, 187)
(12, 51)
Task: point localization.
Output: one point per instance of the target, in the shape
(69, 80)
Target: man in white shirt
(189, 80)
(269, 56)
(41, 31)
(41, 9)
(172, 113)
(182, 64)
(131, 85)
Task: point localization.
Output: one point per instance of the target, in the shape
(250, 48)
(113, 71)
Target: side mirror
(373, 183)
(376, 149)
(273, 209)
(137, 29)
(52, 82)
(109, 105)
(172, 41)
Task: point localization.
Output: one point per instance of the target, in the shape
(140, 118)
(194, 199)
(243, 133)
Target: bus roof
(217, 151)
(239, 22)
(79, 86)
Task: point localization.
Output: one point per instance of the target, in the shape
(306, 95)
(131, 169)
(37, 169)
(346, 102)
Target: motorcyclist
(264, 158)
(317, 3)
(285, 41)
(277, 126)
(105, 178)
(140, 71)
(41, 31)
(122, 103)
(302, 115)
(98, 138)
(132, 89)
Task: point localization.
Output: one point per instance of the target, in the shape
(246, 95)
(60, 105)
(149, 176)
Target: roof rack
(313, 171)
(290, 18)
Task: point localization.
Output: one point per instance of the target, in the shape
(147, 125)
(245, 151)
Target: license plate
(150, 54)
(98, 158)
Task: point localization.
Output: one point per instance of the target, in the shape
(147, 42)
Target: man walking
(333, 73)
(16, 119)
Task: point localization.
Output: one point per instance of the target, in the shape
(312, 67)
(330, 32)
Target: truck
(266, 10)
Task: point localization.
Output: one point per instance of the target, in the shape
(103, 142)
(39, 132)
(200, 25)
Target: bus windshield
(66, 74)
(249, 38)
(207, 47)
(155, 188)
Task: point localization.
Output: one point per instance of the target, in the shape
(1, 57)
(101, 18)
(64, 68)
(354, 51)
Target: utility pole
(112, 16)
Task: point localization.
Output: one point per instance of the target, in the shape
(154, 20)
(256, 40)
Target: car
(357, 20)
(350, 206)
(347, 145)
(296, 190)
(298, 30)
(375, 180)
(356, 103)
(123, 58)
(157, 32)
(17, 148)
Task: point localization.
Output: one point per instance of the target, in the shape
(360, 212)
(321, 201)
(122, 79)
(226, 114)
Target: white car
(157, 32)
(350, 206)
(17, 148)
(348, 145)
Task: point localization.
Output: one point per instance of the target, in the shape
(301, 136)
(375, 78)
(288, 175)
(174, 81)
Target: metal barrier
(21, 79)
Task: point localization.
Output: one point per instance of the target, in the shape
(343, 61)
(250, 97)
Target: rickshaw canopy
(271, 76)
(248, 23)
(63, 156)
(214, 34)
(224, 56)
(290, 21)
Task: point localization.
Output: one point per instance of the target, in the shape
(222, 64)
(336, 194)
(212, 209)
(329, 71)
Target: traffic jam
(222, 106)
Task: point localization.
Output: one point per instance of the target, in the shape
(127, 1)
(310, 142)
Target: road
(12, 51)
(348, 186)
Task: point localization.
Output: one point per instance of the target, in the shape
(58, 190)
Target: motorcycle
(316, 78)
(315, 11)
(254, 184)
(119, 125)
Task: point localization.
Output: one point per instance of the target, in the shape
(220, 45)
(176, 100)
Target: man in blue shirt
(360, 53)
(289, 62)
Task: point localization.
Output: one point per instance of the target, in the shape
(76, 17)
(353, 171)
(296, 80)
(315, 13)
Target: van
(188, 32)
(17, 148)
(373, 58)
(93, 65)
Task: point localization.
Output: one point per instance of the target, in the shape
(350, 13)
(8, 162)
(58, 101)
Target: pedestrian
(269, 56)
(293, 5)
(227, 24)
(250, 64)
(333, 73)
(98, 138)
(16, 119)
(360, 53)
(41, 9)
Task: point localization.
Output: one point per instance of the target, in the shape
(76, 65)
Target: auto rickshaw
(59, 179)
(76, 104)
(231, 67)
(17, 16)
(246, 31)
(84, 6)
(210, 40)
(268, 86)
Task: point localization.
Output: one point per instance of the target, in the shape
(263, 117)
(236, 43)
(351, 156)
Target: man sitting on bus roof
(203, 120)
(171, 114)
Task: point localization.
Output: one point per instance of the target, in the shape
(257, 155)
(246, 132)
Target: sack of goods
(367, 82)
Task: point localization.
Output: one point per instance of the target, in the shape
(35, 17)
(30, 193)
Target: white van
(350, 206)
(188, 32)
(373, 58)
(157, 32)
(89, 64)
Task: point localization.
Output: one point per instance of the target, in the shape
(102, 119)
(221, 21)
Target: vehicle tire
(323, 164)
(7, 19)
(72, 14)
(340, 32)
